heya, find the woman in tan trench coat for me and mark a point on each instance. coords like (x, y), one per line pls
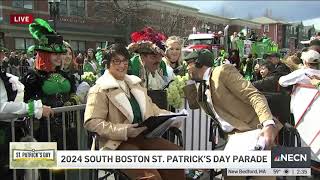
(115, 106)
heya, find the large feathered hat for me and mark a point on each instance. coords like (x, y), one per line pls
(46, 39)
(147, 41)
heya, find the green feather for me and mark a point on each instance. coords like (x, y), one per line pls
(163, 66)
(134, 66)
(99, 56)
(44, 23)
(38, 33)
(38, 29)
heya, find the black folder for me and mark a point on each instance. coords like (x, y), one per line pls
(157, 125)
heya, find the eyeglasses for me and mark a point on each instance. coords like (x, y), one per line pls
(118, 62)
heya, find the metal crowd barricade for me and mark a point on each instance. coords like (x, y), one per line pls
(195, 131)
(71, 117)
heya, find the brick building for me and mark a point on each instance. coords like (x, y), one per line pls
(77, 23)
(286, 35)
(90, 23)
(274, 29)
(297, 32)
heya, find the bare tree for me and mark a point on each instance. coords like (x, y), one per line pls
(168, 22)
(177, 23)
(120, 12)
(133, 15)
(128, 15)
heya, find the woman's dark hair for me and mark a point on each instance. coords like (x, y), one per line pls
(116, 49)
(268, 65)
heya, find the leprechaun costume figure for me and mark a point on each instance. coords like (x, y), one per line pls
(53, 86)
(47, 81)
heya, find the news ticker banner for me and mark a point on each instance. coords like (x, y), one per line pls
(43, 155)
(269, 172)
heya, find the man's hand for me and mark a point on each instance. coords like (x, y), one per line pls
(133, 130)
(47, 112)
(269, 133)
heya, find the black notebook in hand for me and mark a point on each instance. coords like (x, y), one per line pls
(158, 125)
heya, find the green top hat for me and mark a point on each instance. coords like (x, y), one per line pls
(46, 38)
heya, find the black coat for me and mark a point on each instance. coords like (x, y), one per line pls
(282, 69)
(33, 82)
(268, 84)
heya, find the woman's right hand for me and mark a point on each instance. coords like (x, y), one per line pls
(133, 130)
(47, 112)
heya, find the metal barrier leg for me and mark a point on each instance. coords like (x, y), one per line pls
(192, 129)
(64, 139)
(185, 128)
(199, 138)
(207, 139)
(49, 140)
(13, 138)
(76, 115)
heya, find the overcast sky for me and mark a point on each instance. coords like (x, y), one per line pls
(286, 10)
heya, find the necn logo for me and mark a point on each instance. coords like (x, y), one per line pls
(291, 158)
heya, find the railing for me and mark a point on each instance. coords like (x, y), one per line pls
(72, 124)
(195, 132)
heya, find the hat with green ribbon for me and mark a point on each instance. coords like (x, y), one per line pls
(46, 39)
